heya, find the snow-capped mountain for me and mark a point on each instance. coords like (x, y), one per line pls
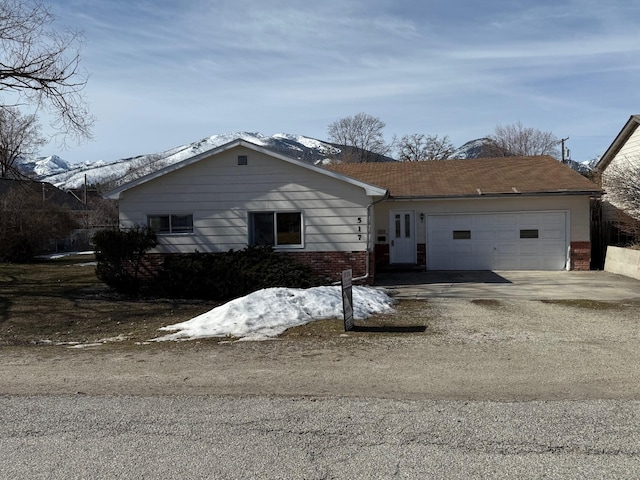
(484, 147)
(61, 174)
(44, 166)
(478, 148)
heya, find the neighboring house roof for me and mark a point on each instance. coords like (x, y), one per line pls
(471, 178)
(371, 190)
(619, 142)
(51, 194)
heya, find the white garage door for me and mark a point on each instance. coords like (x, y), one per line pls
(497, 241)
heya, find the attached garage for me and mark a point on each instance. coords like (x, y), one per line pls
(508, 213)
(498, 241)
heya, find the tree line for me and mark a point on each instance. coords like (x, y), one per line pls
(363, 137)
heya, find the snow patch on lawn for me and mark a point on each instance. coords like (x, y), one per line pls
(269, 312)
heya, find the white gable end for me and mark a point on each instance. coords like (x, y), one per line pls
(221, 192)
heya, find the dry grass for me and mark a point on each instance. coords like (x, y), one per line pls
(62, 301)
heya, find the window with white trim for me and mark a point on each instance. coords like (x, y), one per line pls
(278, 229)
(170, 224)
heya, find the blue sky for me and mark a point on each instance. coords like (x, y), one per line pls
(166, 73)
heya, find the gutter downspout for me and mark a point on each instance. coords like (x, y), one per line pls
(369, 209)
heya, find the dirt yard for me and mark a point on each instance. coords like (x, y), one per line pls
(437, 349)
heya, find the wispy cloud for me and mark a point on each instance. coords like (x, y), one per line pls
(199, 67)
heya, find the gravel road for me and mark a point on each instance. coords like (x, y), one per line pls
(260, 437)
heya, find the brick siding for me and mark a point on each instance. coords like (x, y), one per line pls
(382, 255)
(580, 256)
(422, 254)
(328, 265)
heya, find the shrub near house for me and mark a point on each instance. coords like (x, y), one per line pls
(223, 276)
(119, 254)
(212, 276)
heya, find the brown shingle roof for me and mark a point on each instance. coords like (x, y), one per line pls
(462, 178)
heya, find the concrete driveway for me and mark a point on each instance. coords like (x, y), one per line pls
(531, 285)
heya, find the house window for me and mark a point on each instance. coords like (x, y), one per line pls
(242, 160)
(462, 234)
(533, 233)
(168, 224)
(279, 229)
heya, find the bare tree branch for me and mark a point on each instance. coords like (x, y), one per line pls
(41, 64)
(418, 147)
(621, 181)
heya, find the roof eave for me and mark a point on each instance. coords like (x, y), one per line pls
(591, 193)
(618, 143)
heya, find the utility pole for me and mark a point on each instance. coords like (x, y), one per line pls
(564, 160)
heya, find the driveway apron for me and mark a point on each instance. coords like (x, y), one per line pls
(531, 285)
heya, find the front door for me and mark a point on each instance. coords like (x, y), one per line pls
(402, 247)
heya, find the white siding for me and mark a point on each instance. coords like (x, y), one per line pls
(220, 194)
(630, 151)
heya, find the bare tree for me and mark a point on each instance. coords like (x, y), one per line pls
(418, 147)
(28, 225)
(363, 133)
(517, 140)
(102, 213)
(19, 136)
(622, 184)
(40, 65)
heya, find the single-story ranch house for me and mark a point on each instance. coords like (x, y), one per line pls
(530, 213)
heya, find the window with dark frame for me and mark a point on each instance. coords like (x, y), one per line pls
(170, 224)
(243, 160)
(462, 234)
(278, 229)
(530, 233)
